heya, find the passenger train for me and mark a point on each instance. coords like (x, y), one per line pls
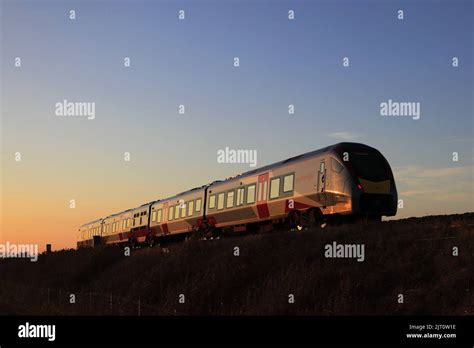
(336, 183)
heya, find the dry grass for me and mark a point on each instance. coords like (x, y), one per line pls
(412, 257)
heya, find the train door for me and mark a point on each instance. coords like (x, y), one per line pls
(322, 177)
(262, 204)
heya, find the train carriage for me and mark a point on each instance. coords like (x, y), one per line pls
(346, 179)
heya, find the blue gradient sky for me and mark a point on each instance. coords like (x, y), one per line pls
(190, 62)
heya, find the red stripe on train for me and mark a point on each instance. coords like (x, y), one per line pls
(263, 211)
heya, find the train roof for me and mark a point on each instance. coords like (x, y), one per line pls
(183, 193)
(291, 159)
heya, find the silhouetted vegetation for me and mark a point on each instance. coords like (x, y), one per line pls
(413, 257)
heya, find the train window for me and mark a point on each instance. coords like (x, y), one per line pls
(183, 210)
(176, 212)
(274, 188)
(170, 213)
(153, 216)
(220, 201)
(230, 199)
(141, 221)
(129, 222)
(158, 215)
(190, 208)
(288, 183)
(240, 196)
(212, 201)
(124, 222)
(336, 166)
(198, 205)
(251, 194)
(265, 183)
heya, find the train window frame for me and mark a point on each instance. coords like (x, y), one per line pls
(196, 210)
(213, 198)
(288, 192)
(183, 210)
(254, 186)
(153, 216)
(219, 195)
(240, 199)
(272, 180)
(227, 199)
(177, 211)
(339, 164)
(190, 208)
(170, 213)
(159, 215)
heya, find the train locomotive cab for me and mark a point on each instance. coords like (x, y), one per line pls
(371, 183)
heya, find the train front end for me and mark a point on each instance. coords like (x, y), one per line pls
(374, 193)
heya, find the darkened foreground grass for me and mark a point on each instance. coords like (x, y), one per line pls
(412, 257)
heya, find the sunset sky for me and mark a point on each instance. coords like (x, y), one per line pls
(190, 62)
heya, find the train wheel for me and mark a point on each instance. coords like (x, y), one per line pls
(316, 219)
(294, 221)
(216, 233)
(150, 241)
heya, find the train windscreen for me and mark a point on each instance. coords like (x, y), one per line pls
(370, 165)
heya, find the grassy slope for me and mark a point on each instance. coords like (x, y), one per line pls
(412, 257)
